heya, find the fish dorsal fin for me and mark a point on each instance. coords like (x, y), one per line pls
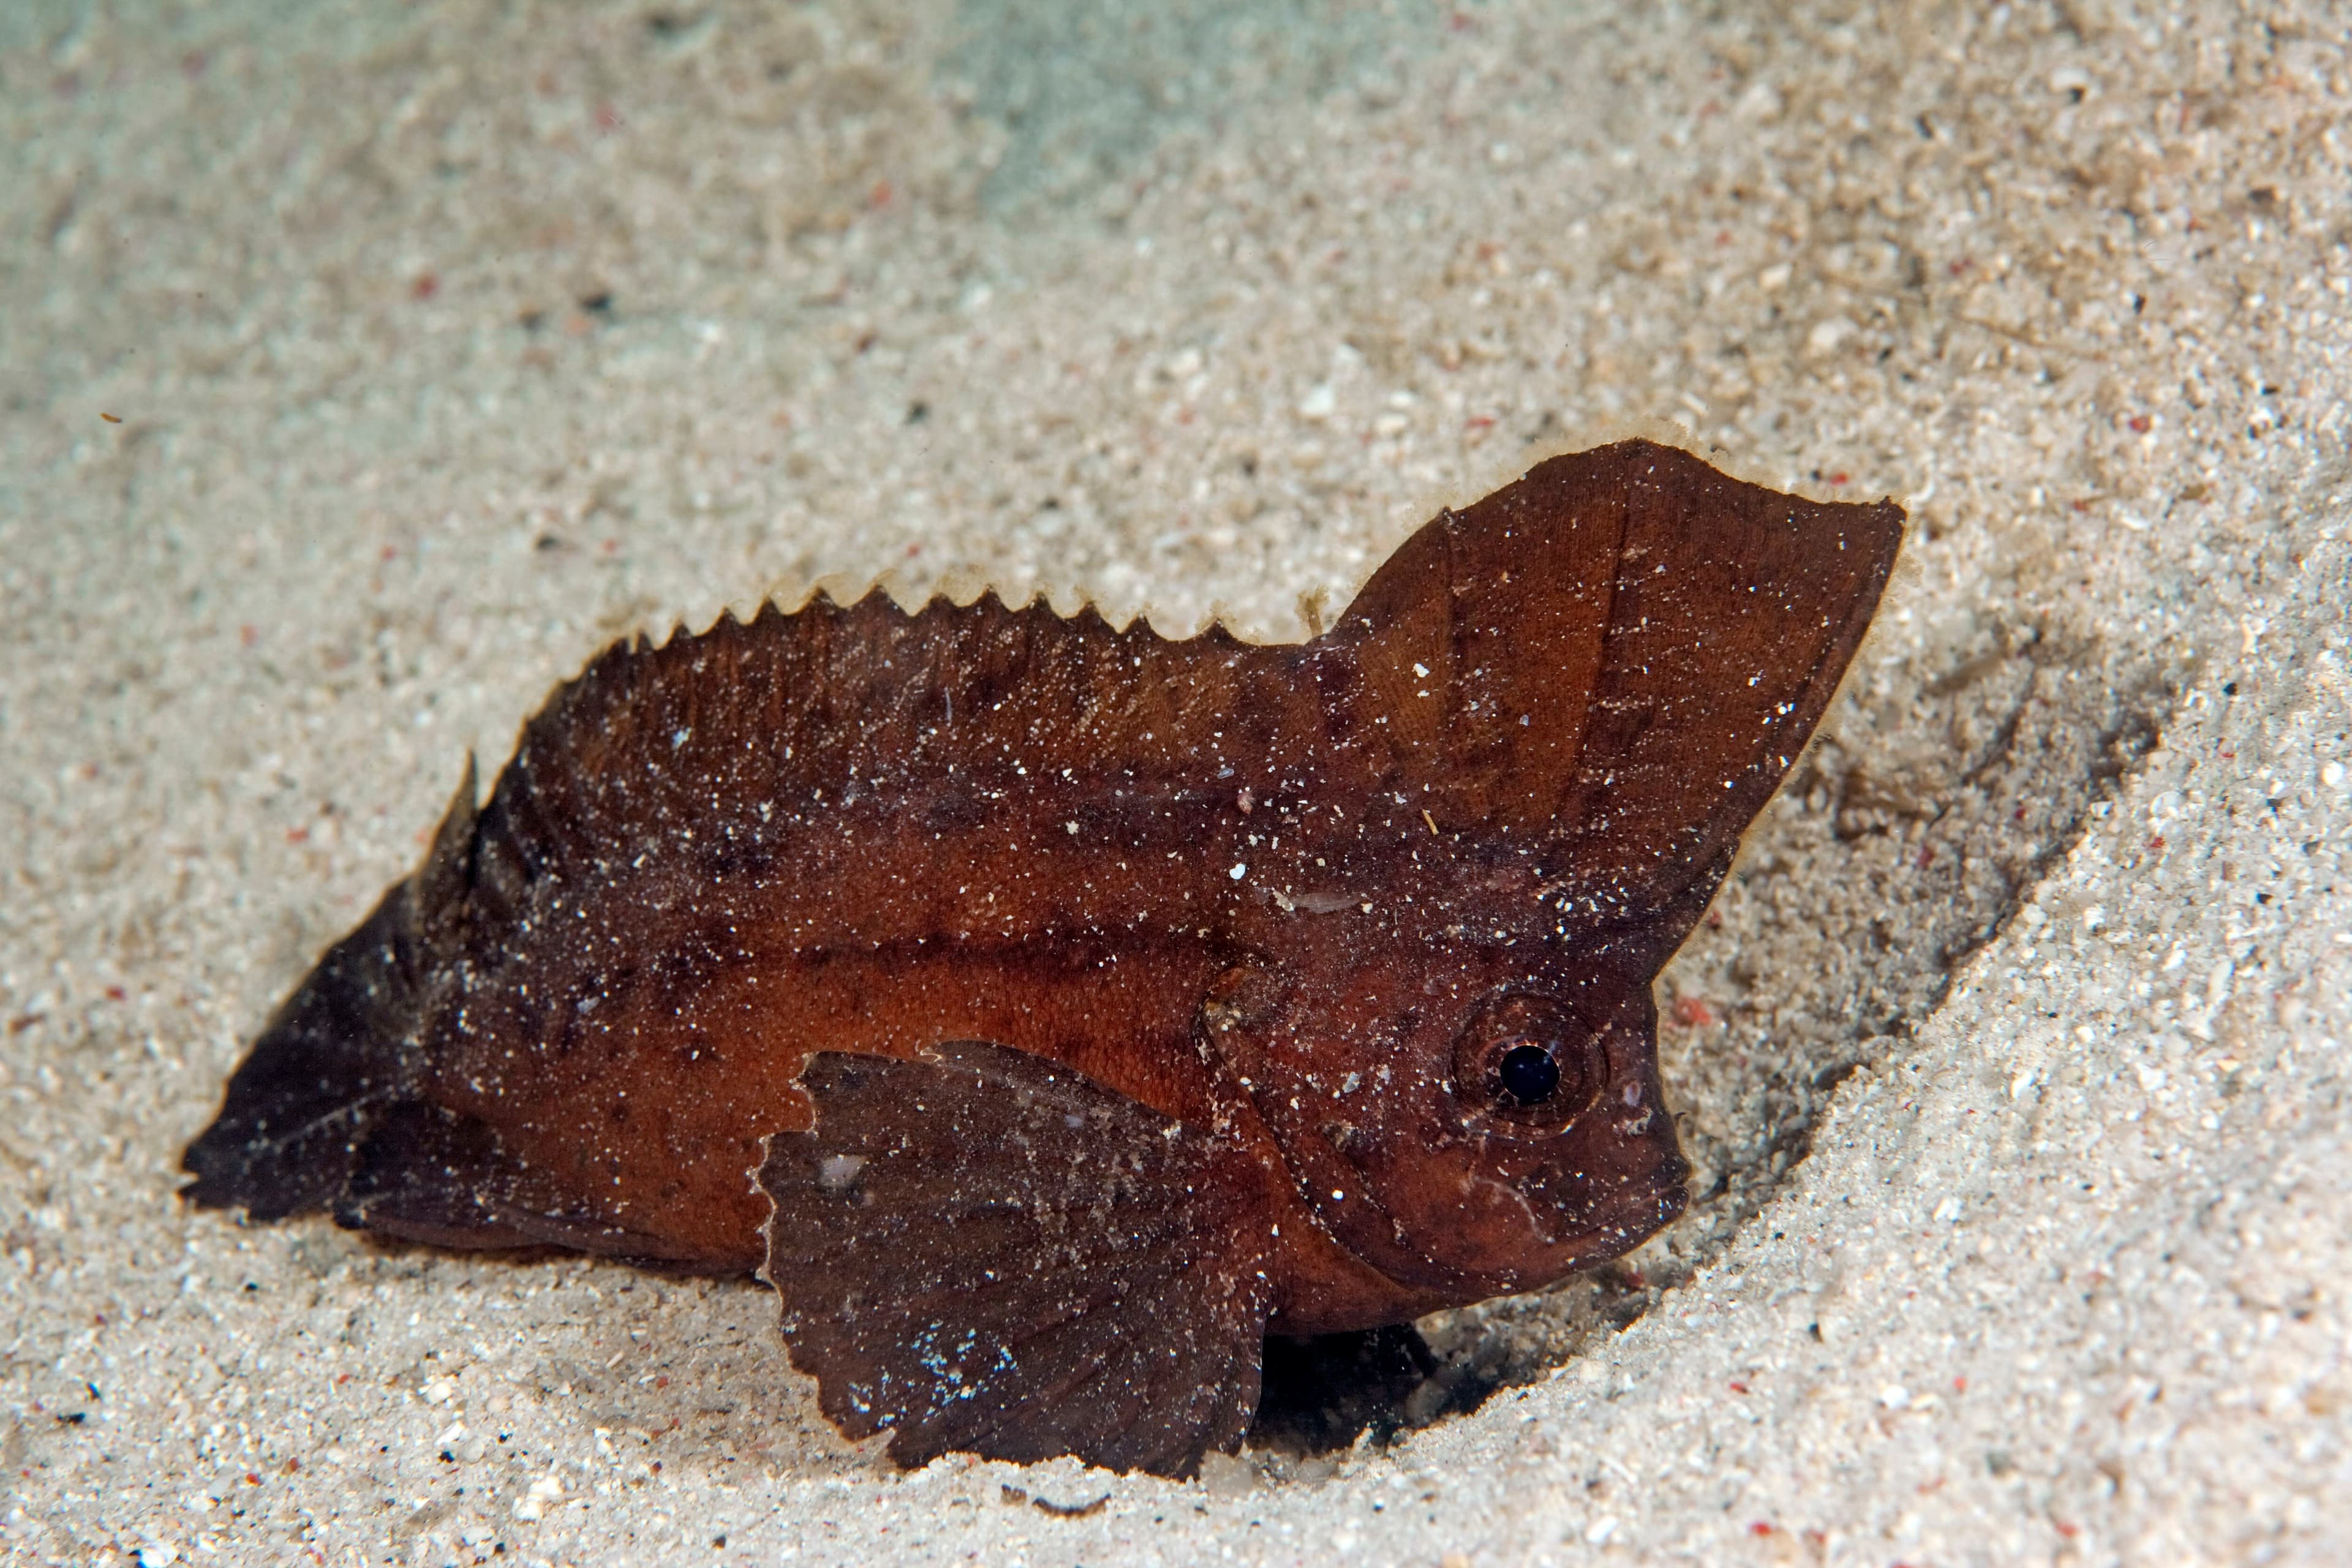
(987, 1252)
(1616, 658)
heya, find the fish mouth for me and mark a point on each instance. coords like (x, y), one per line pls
(1599, 1219)
(1516, 1233)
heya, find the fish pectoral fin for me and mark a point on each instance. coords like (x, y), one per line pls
(988, 1252)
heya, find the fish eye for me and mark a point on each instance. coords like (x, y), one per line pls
(1529, 1061)
(1528, 1074)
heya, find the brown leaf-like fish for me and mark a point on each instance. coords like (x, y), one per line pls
(1048, 1011)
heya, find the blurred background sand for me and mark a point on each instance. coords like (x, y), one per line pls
(363, 370)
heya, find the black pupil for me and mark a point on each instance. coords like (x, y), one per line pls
(1528, 1074)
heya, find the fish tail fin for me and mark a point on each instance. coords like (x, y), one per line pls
(338, 1056)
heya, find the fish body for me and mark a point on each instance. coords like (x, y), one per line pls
(964, 956)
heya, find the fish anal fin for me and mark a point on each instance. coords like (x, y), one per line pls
(429, 1174)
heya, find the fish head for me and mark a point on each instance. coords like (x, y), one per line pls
(1464, 1126)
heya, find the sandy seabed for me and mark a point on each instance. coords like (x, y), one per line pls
(363, 372)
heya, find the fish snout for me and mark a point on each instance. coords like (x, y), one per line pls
(1600, 1214)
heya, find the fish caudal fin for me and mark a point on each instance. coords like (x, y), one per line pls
(327, 1065)
(341, 1052)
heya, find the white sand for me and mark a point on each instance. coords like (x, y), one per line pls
(2065, 1275)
